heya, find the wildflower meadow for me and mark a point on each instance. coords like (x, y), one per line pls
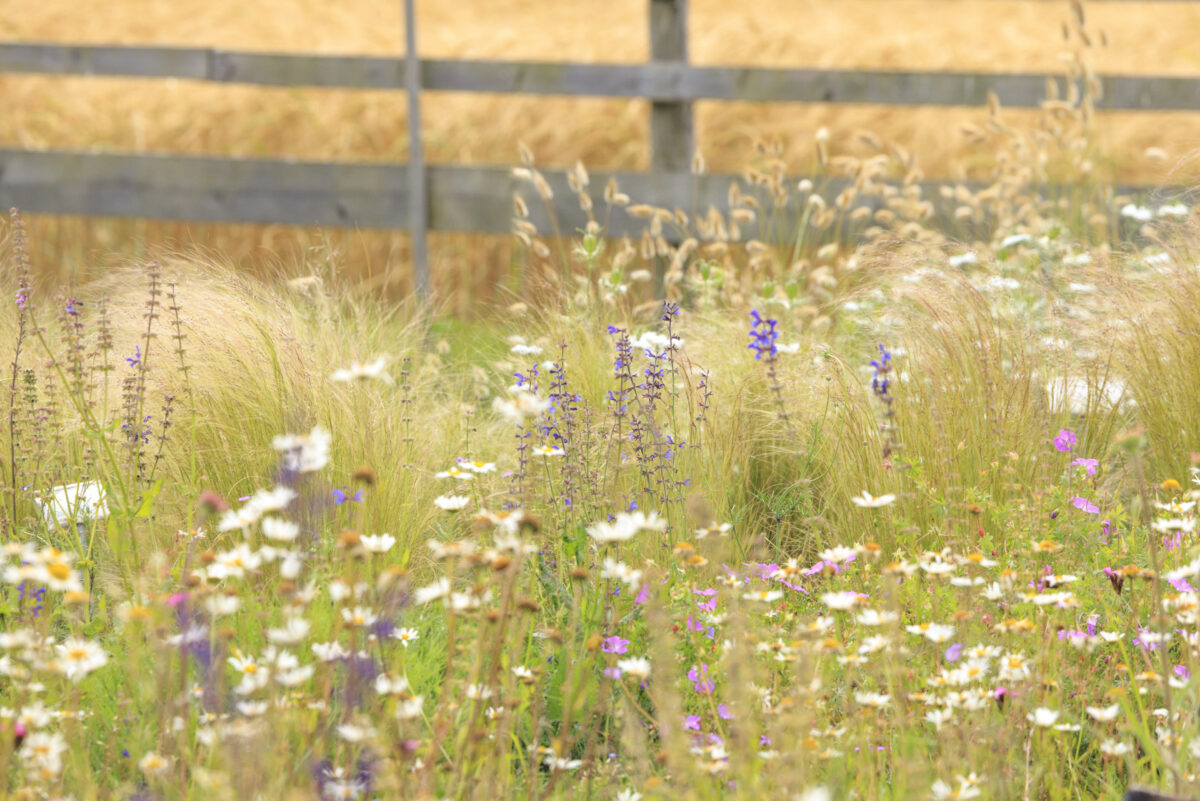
(848, 493)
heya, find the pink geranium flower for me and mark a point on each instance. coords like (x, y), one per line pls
(1065, 440)
(1084, 505)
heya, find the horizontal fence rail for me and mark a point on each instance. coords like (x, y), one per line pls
(208, 189)
(350, 195)
(656, 81)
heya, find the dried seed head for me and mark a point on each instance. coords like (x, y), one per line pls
(528, 605)
(365, 476)
(542, 187)
(579, 573)
(212, 503)
(349, 539)
(1155, 154)
(610, 190)
(389, 577)
(822, 143)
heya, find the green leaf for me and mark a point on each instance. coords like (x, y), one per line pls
(147, 504)
(102, 433)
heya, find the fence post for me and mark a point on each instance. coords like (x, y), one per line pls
(417, 204)
(671, 137)
(671, 131)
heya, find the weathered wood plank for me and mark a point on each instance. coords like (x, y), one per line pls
(672, 123)
(286, 69)
(418, 206)
(672, 131)
(203, 189)
(349, 195)
(206, 189)
(665, 82)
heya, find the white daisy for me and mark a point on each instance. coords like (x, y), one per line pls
(1044, 717)
(451, 503)
(869, 501)
(77, 658)
(381, 543)
(359, 371)
(304, 453)
(279, 530)
(1103, 714)
(405, 636)
(637, 667)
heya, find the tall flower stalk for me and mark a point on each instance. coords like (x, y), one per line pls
(764, 338)
(881, 385)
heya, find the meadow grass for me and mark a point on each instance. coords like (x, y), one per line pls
(928, 536)
(849, 492)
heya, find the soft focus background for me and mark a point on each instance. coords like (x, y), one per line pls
(915, 487)
(181, 117)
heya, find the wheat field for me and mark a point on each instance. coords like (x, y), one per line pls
(178, 117)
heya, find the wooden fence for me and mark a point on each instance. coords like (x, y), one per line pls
(459, 198)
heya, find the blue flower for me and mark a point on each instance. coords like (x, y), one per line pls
(340, 497)
(882, 365)
(763, 339)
